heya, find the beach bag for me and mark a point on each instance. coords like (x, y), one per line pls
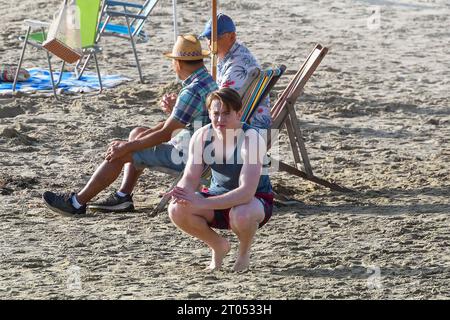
(64, 36)
(8, 72)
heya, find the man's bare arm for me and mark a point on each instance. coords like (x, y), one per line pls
(156, 137)
(194, 166)
(150, 130)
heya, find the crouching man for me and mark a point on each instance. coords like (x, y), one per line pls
(239, 197)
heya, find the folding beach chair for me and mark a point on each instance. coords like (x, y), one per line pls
(135, 16)
(89, 16)
(283, 114)
(257, 87)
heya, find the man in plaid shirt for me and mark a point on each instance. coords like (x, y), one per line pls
(148, 147)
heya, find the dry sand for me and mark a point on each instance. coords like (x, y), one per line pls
(375, 117)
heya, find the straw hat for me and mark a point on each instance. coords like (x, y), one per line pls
(187, 47)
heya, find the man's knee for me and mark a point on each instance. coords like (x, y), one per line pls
(176, 212)
(241, 216)
(126, 158)
(135, 132)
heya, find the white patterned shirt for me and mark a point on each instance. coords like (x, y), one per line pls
(232, 71)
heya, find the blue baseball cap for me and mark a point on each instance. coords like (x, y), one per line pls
(224, 25)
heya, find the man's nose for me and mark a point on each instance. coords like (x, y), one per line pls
(221, 118)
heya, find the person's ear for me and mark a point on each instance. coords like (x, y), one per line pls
(239, 114)
(232, 36)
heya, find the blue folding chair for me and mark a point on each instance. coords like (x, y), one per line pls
(135, 16)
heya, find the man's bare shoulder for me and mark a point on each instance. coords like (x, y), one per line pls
(255, 144)
(201, 134)
(252, 133)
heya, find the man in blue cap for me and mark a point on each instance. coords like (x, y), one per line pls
(235, 60)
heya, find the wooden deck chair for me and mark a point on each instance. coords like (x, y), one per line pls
(135, 16)
(255, 89)
(89, 17)
(283, 114)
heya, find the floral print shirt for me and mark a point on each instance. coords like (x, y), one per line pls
(232, 71)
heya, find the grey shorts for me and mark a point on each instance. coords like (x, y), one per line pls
(163, 155)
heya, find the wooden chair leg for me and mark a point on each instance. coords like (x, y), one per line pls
(299, 138)
(291, 136)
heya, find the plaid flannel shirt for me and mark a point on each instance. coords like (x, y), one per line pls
(190, 107)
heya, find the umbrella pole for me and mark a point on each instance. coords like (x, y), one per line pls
(175, 22)
(175, 26)
(214, 39)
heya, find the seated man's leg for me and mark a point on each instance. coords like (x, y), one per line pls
(130, 173)
(244, 221)
(72, 204)
(105, 174)
(195, 223)
(163, 155)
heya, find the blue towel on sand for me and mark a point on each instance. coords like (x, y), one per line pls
(40, 81)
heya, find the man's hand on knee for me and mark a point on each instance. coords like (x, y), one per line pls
(117, 149)
(187, 198)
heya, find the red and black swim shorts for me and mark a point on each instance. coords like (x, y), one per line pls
(221, 218)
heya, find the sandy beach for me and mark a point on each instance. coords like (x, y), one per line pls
(375, 117)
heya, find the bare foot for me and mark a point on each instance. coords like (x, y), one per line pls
(242, 263)
(218, 254)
